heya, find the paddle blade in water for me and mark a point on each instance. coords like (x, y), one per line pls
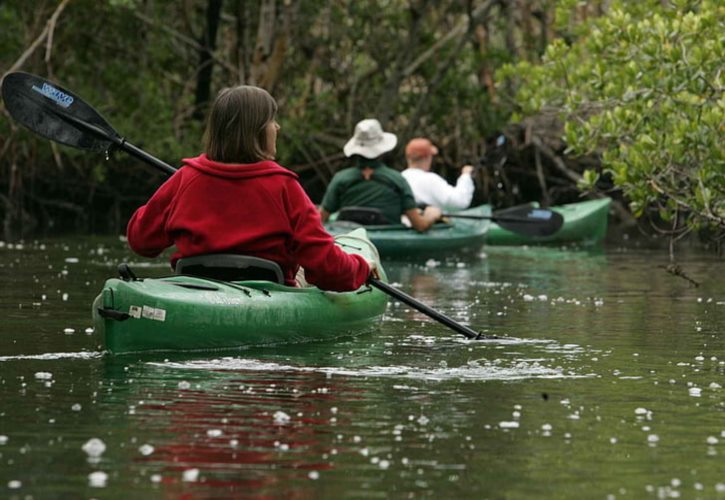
(529, 220)
(55, 113)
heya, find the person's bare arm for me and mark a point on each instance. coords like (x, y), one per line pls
(423, 221)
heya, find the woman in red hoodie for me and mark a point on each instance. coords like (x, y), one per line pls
(235, 198)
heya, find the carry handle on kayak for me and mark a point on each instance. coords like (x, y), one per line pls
(57, 114)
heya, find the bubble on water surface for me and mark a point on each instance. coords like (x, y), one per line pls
(281, 418)
(97, 479)
(508, 425)
(72, 260)
(4, 439)
(695, 392)
(156, 478)
(14, 484)
(94, 447)
(712, 440)
(190, 475)
(43, 375)
(146, 449)
(314, 475)
(214, 432)
(76, 407)
(184, 385)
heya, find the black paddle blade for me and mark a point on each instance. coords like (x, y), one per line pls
(529, 220)
(55, 113)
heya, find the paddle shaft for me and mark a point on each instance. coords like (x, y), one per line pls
(121, 143)
(431, 313)
(494, 218)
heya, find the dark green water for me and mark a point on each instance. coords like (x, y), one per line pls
(608, 386)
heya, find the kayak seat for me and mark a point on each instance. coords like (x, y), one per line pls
(366, 216)
(230, 267)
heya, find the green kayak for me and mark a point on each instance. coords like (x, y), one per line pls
(186, 313)
(584, 222)
(397, 240)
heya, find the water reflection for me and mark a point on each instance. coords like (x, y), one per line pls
(230, 430)
(252, 423)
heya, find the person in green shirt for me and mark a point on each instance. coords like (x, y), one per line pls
(372, 184)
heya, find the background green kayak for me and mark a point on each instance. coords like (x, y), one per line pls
(397, 240)
(184, 313)
(584, 222)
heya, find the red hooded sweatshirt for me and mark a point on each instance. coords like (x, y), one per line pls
(256, 209)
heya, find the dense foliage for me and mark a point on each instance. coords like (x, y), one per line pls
(643, 87)
(420, 66)
(638, 85)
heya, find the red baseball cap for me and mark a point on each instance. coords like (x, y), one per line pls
(420, 147)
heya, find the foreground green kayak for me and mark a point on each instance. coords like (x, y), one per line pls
(397, 240)
(184, 313)
(584, 222)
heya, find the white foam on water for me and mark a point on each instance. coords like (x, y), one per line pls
(55, 355)
(97, 479)
(473, 370)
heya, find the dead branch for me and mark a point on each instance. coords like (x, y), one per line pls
(461, 29)
(46, 33)
(676, 270)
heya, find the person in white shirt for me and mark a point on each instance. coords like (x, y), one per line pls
(430, 188)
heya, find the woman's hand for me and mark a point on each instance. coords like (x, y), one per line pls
(373, 265)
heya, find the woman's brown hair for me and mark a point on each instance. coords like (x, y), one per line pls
(236, 128)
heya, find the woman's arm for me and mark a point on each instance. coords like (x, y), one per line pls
(326, 265)
(146, 230)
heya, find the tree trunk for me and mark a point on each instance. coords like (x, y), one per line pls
(206, 62)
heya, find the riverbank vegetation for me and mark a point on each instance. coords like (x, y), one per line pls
(554, 97)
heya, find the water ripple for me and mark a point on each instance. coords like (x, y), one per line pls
(473, 370)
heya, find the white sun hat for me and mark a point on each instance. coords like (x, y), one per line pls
(369, 140)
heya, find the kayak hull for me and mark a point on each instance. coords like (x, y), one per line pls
(584, 223)
(399, 241)
(185, 313)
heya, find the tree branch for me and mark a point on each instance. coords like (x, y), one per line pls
(46, 33)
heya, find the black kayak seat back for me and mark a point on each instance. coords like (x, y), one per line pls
(230, 267)
(367, 216)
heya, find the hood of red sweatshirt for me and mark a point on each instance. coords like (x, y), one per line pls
(236, 170)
